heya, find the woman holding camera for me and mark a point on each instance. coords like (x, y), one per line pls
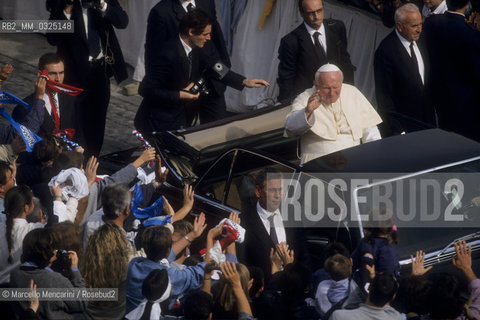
(37, 256)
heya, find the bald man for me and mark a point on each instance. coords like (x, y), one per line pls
(331, 116)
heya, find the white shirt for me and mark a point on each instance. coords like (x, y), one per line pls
(85, 22)
(440, 9)
(279, 228)
(322, 38)
(94, 222)
(406, 44)
(66, 211)
(185, 46)
(48, 105)
(19, 230)
(185, 3)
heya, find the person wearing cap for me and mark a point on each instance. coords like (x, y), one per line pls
(313, 43)
(331, 116)
(401, 72)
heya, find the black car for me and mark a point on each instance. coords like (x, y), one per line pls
(220, 160)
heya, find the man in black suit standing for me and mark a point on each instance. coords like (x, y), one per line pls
(59, 108)
(401, 76)
(168, 80)
(454, 51)
(263, 222)
(162, 26)
(312, 44)
(92, 55)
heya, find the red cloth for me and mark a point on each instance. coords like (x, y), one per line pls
(61, 87)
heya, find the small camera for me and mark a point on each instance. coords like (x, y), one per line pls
(87, 4)
(63, 255)
(200, 86)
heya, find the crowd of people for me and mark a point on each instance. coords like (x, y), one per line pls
(65, 227)
(247, 270)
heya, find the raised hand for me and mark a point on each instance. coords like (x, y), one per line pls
(199, 225)
(159, 176)
(234, 217)
(286, 255)
(91, 170)
(463, 260)
(147, 155)
(418, 268)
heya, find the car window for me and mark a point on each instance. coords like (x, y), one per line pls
(212, 184)
(241, 192)
(230, 180)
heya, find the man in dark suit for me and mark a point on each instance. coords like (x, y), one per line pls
(167, 83)
(162, 26)
(312, 44)
(454, 51)
(263, 222)
(92, 55)
(401, 76)
(59, 108)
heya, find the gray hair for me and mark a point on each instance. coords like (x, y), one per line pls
(115, 198)
(402, 11)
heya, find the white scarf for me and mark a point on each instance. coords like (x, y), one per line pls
(156, 312)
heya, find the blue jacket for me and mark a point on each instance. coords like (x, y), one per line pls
(182, 281)
(386, 256)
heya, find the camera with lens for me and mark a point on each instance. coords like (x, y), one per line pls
(200, 86)
(63, 255)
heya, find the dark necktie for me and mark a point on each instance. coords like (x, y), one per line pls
(93, 37)
(273, 232)
(189, 64)
(190, 7)
(318, 46)
(414, 57)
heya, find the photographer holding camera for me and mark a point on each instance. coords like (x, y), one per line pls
(168, 83)
(91, 55)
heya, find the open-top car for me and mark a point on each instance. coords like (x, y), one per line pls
(221, 158)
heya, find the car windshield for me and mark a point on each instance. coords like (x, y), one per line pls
(446, 201)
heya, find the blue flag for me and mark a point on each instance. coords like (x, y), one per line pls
(8, 98)
(27, 135)
(157, 221)
(143, 213)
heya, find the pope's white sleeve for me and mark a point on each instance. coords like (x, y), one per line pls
(371, 134)
(297, 123)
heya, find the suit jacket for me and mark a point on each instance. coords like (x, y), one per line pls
(67, 114)
(299, 60)
(73, 47)
(163, 22)
(161, 108)
(255, 249)
(454, 50)
(399, 87)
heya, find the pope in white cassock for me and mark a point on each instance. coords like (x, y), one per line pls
(331, 116)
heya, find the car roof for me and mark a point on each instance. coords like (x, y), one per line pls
(412, 152)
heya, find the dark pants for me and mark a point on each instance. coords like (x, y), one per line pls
(93, 109)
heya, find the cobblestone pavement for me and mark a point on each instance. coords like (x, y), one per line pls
(23, 50)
